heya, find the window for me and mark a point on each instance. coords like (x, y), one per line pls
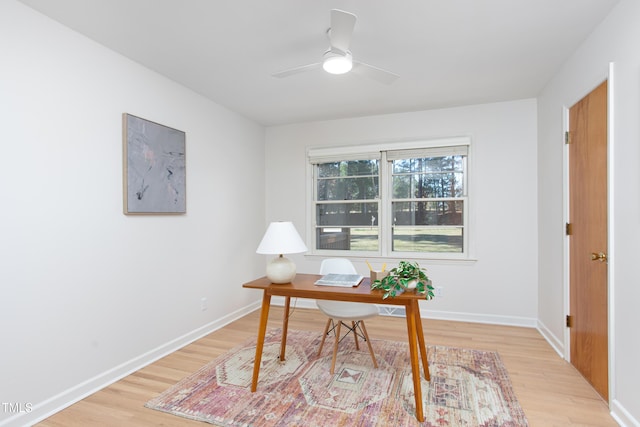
(347, 205)
(391, 203)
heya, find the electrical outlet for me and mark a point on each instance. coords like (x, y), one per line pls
(203, 304)
(439, 291)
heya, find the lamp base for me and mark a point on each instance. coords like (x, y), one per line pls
(281, 270)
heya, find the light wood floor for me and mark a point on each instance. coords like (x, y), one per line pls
(551, 391)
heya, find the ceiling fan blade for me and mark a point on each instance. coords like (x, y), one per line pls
(342, 24)
(297, 70)
(375, 73)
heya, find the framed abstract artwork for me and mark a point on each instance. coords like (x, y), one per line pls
(154, 167)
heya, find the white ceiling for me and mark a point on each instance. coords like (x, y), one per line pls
(447, 52)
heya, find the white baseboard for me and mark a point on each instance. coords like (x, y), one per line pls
(439, 315)
(41, 410)
(295, 302)
(622, 416)
(525, 322)
(554, 342)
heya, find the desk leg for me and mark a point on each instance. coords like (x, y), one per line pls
(423, 350)
(415, 363)
(262, 330)
(285, 326)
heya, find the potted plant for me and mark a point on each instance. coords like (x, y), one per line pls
(407, 275)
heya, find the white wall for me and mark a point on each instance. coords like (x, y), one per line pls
(87, 293)
(615, 40)
(501, 285)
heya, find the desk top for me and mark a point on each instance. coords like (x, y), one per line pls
(303, 286)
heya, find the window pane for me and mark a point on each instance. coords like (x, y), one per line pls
(343, 214)
(427, 239)
(333, 238)
(402, 185)
(345, 238)
(447, 212)
(402, 166)
(429, 164)
(432, 177)
(444, 184)
(364, 239)
(348, 168)
(432, 185)
(348, 188)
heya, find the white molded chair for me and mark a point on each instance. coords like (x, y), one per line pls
(340, 312)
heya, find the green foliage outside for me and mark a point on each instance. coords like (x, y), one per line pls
(444, 239)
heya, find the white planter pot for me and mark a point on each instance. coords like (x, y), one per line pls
(412, 284)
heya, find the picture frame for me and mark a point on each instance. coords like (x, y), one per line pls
(154, 167)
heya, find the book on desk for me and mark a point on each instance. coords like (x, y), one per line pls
(342, 280)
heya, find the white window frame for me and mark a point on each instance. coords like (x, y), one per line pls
(379, 151)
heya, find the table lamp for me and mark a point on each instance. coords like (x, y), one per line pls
(281, 238)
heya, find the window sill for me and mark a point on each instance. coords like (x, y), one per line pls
(390, 260)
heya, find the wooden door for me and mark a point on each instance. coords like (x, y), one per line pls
(588, 241)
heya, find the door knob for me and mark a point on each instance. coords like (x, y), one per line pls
(602, 257)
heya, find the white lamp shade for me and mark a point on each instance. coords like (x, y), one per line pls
(281, 238)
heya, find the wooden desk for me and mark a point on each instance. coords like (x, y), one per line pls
(303, 287)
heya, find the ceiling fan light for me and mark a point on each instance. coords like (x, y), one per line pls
(337, 64)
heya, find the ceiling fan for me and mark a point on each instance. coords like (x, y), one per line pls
(338, 59)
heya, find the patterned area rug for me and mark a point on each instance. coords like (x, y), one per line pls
(467, 388)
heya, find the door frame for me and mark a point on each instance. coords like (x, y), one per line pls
(609, 76)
